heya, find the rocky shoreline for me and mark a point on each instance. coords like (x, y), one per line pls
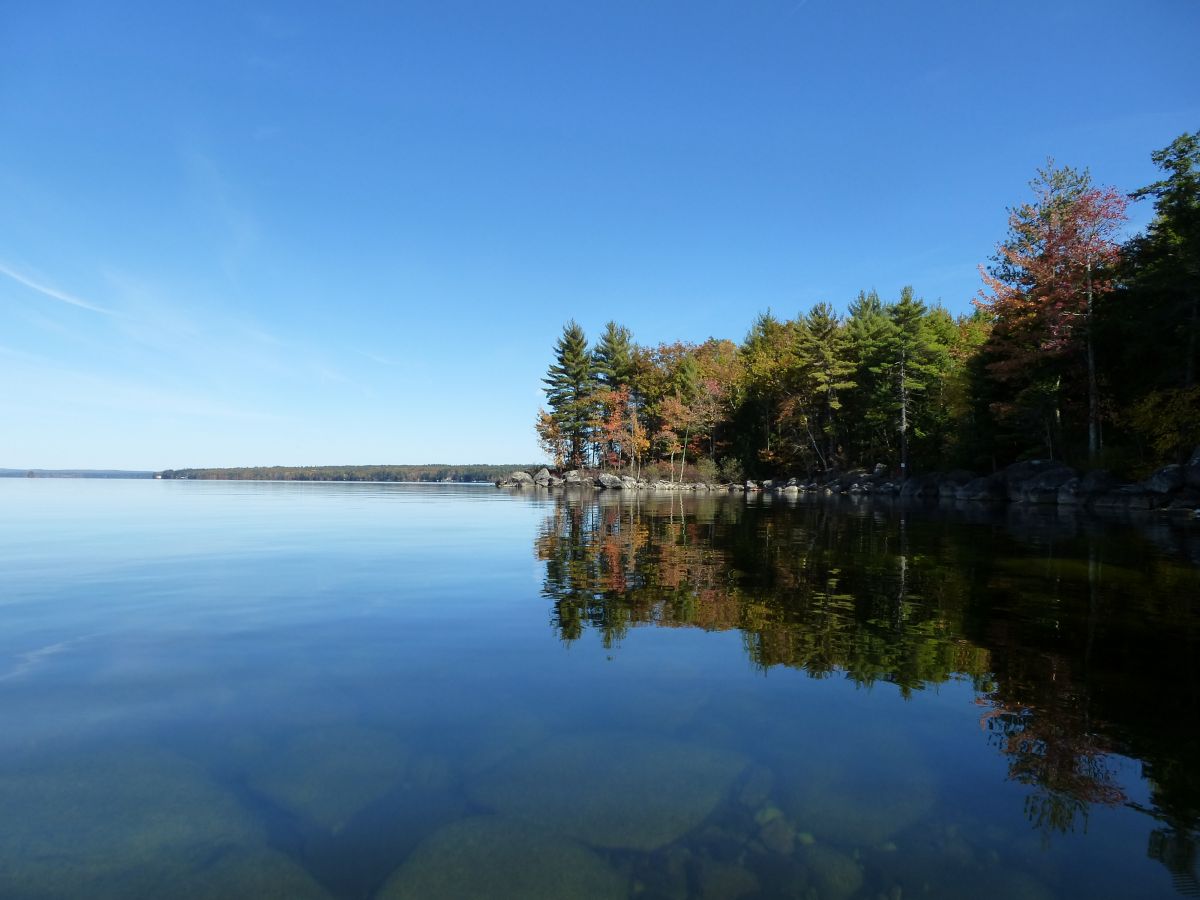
(1174, 489)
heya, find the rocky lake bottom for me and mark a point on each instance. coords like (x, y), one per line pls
(441, 691)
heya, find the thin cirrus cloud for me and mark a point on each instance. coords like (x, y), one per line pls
(52, 293)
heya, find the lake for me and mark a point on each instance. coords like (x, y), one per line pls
(223, 689)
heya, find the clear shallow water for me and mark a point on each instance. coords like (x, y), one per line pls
(341, 690)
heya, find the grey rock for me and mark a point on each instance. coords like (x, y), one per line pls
(1042, 487)
(920, 487)
(982, 489)
(1186, 499)
(573, 477)
(1165, 480)
(610, 481)
(542, 476)
(1097, 481)
(952, 481)
(629, 482)
(751, 486)
(1130, 496)
(1029, 469)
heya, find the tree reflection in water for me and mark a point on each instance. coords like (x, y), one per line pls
(1080, 637)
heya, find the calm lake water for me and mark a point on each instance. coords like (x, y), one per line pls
(217, 690)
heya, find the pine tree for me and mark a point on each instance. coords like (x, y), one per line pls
(911, 363)
(867, 408)
(570, 387)
(614, 357)
(824, 363)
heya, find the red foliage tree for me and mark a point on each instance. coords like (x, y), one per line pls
(1056, 265)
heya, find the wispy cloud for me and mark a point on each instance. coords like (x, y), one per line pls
(53, 293)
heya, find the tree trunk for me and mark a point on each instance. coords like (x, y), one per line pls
(903, 419)
(1093, 389)
(816, 447)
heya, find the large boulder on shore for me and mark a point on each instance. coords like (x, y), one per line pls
(516, 479)
(949, 483)
(921, 487)
(609, 481)
(1083, 490)
(982, 489)
(1036, 480)
(1129, 496)
(542, 477)
(1165, 480)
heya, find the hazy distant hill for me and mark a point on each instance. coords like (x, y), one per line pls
(73, 473)
(431, 472)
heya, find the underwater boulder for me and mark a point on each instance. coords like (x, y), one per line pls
(130, 824)
(859, 802)
(493, 858)
(261, 873)
(834, 874)
(619, 792)
(325, 777)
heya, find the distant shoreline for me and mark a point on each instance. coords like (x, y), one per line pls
(473, 473)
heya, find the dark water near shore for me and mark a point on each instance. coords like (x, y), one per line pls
(216, 689)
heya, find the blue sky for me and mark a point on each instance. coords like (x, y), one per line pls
(311, 233)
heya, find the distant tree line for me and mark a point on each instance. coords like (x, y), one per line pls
(466, 473)
(1079, 347)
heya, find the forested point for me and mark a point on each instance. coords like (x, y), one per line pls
(433, 472)
(1081, 347)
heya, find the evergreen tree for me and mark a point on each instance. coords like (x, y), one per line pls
(1168, 257)
(614, 357)
(1157, 314)
(867, 412)
(570, 387)
(823, 361)
(766, 354)
(912, 357)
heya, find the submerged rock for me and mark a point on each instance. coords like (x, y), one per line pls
(834, 874)
(635, 793)
(492, 858)
(325, 777)
(859, 803)
(261, 873)
(725, 881)
(140, 824)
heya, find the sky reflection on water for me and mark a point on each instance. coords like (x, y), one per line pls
(354, 690)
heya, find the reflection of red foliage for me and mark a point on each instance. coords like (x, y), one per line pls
(1055, 752)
